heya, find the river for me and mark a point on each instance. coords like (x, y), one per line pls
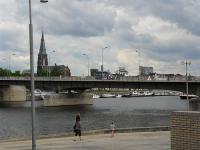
(125, 112)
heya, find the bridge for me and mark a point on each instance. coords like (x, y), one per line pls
(82, 83)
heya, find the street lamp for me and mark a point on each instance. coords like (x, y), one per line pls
(186, 63)
(32, 74)
(137, 51)
(88, 63)
(32, 78)
(9, 63)
(102, 62)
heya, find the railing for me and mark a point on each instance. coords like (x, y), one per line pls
(86, 78)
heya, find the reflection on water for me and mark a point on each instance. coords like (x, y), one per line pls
(125, 112)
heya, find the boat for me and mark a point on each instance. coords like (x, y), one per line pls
(95, 96)
(39, 95)
(141, 94)
(107, 96)
(135, 93)
(190, 96)
(138, 94)
(148, 93)
(127, 95)
(118, 96)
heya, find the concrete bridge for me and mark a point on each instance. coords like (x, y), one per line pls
(82, 83)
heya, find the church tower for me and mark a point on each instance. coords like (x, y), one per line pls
(42, 64)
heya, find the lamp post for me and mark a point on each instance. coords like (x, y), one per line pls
(9, 63)
(32, 78)
(102, 62)
(137, 51)
(186, 78)
(32, 75)
(88, 64)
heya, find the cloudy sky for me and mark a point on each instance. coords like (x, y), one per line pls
(158, 33)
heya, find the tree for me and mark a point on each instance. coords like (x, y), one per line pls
(5, 72)
(43, 72)
(16, 73)
(55, 71)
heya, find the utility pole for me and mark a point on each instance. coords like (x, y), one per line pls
(102, 62)
(186, 78)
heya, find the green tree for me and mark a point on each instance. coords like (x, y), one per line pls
(55, 71)
(5, 72)
(16, 73)
(43, 73)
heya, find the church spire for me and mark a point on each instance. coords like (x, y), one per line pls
(42, 45)
(42, 58)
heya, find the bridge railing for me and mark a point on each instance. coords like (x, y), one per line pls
(89, 78)
(72, 78)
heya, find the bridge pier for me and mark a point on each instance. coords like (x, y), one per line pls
(13, 93)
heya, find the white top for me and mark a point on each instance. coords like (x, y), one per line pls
(112, 126)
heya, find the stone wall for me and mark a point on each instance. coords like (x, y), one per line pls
(185, 130)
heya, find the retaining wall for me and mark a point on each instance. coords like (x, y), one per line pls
(185, 130)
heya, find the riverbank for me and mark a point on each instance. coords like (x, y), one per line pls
(137, 140)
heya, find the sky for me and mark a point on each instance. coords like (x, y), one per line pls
(159, 33)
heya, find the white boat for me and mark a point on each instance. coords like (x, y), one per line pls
(135, 93)
(138, 94)
(118, 96)
(148, 93)
(190, 96)
(127, 95)
(95, 96)
(107, 96)
(39, 95)
(141, 93)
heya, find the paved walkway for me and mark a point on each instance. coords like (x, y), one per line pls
(159, 140)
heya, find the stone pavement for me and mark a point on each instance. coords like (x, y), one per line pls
(159, 140)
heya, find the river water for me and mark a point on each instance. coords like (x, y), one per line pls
(125, 112)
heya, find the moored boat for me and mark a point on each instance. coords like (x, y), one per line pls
(118, 96)
(39, 95)
(148, 93)
(127, 95)
(107, 96)
(95, 96)
(190, 96)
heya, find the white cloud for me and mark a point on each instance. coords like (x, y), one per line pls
(164, 32)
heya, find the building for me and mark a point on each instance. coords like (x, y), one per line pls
(42, 63)
(101, 75)
(43, 69)
(145, 70)
(93, 72)
(59, 70)
(122, 71)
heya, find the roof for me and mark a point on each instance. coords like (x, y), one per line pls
(42, 45)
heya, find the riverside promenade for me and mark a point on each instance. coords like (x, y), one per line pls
(156, 140)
